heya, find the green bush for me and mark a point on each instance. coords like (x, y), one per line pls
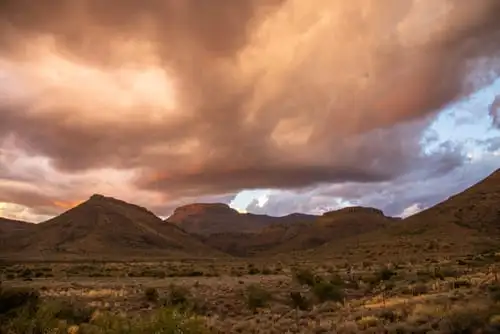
(326, 291)
(177, 296)
(45, 320)
(306, 277)
(256, 297)
(72, 312)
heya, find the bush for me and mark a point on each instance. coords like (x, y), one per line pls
(163, 321)
(385, 274)
(73, 313)
(257, 297)
(306, 277)
(335, 279)
(298, 301)
(465, 320)
(177, 297)
(13, 299)
(151, 295)
(460, 283)
(253, 271)
(325, 291)
(494, 291)
(420, 289)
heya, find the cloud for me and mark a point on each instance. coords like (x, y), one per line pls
(162, 101)
(495, 112)
(399, 197)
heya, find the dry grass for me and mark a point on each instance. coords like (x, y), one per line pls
(445, 296)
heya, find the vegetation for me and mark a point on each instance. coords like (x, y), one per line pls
(257, 297)
(23, 312)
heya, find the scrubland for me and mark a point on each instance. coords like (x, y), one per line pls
(448, 295)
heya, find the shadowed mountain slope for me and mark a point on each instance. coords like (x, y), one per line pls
(104, 227)
(206, 219)
(283, 238)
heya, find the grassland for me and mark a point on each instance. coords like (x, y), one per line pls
(439, 295)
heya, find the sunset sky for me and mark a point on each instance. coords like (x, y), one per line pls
(272, 106)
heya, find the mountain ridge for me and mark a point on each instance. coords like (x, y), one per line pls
(105, 226)
(108, 227)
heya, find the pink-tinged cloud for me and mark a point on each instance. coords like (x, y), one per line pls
(160, 102)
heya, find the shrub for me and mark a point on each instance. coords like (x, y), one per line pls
(267, 271)
(306, 277)
(335, 279)
(73, 313)
(385, 274)
(151, 295)
(163, 321)
(460, 283)
(325, 291)
(420, 289)
(253, 271)
(195, 273)
(257, 297)
(13, 299)
(177, 296)
(494, 292)
(469, 319)
(298, 301)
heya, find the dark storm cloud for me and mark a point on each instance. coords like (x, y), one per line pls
(274, 93)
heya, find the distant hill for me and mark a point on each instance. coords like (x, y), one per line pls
(207, 219)
(302, 235)
(104, 227)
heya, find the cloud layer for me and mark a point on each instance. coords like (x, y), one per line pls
(165, 101)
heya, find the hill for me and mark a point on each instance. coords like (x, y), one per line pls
(284, 238)
(207, 219)
(466, 223)
(104, 228)
(476, 208)
(11, 226)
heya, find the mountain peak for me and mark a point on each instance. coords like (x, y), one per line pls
(202, 208)
(355, 209)
(99, 197)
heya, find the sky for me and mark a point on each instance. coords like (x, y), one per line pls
(271, 106)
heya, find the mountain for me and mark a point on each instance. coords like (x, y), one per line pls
(476, 208)
(107, 228)
(104, 227)
(10, 226)
(215, 218)
(302, 235)
(464, 224)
